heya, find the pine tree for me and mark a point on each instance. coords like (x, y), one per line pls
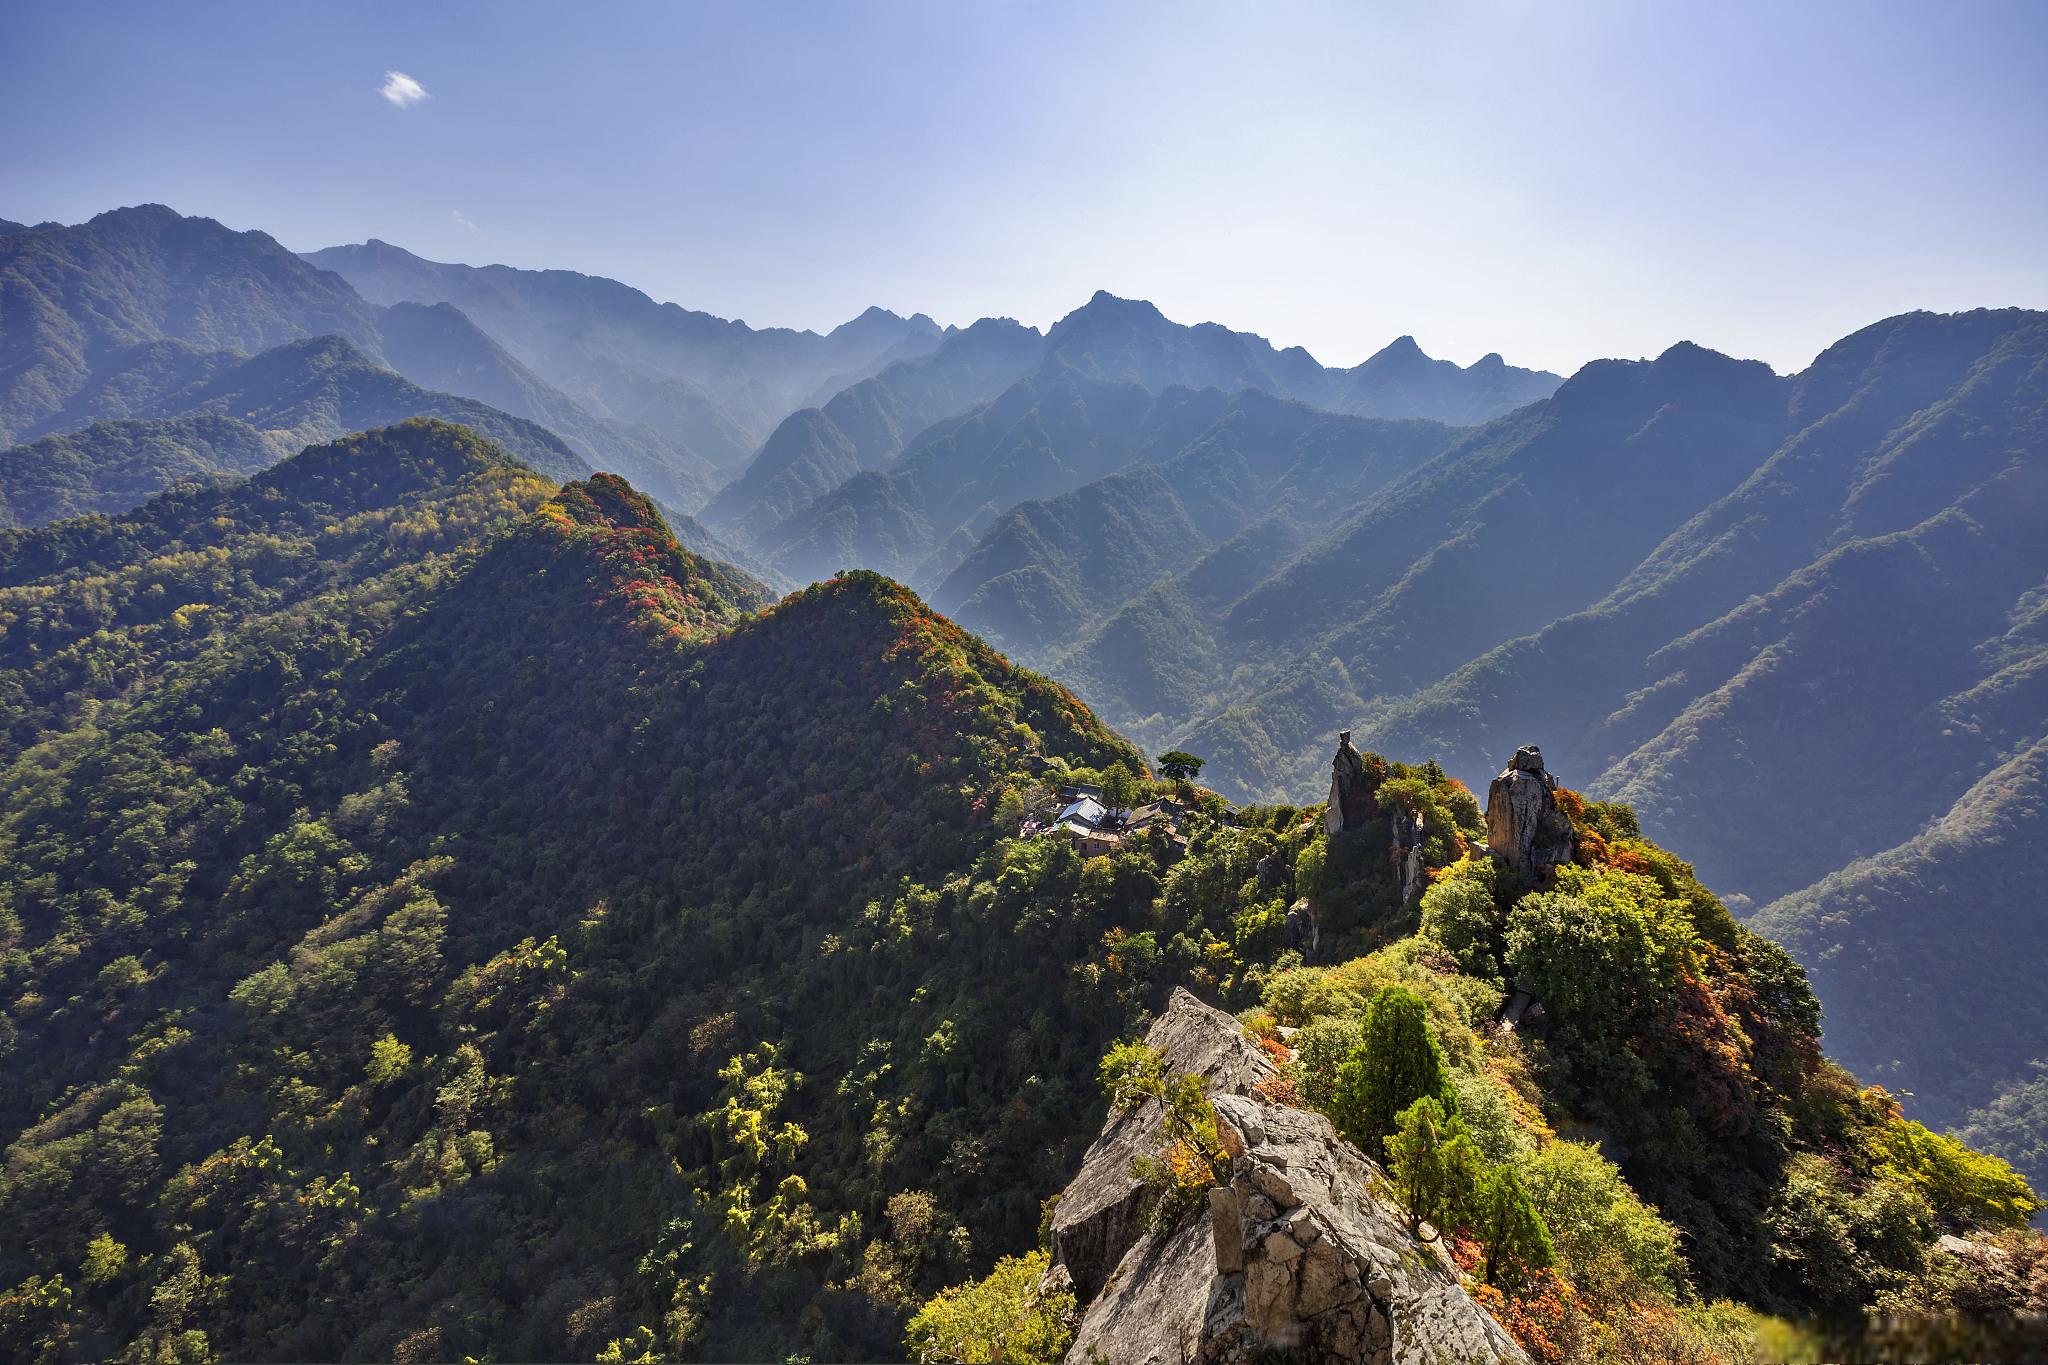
(1397, 1063)
(1516, 1240)
(1438, 1170)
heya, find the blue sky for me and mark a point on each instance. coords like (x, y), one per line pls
(1553, 181)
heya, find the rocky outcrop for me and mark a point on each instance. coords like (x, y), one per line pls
(1352, 798)
(1301, 932)
(1404, 851)
(1524, 827)
(1296, 1258)
(1097, 1218)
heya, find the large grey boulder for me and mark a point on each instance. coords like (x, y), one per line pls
(1297, 1258)
(1524, 827)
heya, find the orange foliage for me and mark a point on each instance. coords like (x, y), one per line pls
(1276, 1090)
(1547, 1318)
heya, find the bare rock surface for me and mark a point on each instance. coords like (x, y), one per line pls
(1298, 1257)
(1096, 1220)
(1352, 799)
(1524, 827)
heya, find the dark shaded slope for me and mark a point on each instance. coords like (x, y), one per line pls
(96, 610)
(1049, 570)
(1930, 955)
(112, 466)
(1489, 536)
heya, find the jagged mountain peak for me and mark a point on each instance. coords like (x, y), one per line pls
(1401, 350)
(1104, 307)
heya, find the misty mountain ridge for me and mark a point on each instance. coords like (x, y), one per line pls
(812, 514)
(714, 385)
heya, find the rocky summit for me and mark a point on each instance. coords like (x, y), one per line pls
(1298, 1257)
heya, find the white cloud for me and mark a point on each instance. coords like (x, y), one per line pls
(462, 218)
(401, 89)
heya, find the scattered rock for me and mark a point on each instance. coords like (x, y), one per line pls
(1301, 933)
(1226, 1223)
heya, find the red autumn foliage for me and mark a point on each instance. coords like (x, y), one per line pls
(1546, 1318)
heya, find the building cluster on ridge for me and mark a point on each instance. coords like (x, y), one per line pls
(1086, 820)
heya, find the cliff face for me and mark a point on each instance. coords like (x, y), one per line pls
(1298, 1257)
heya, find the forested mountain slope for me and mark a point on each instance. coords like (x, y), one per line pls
(1261, 478)
(1864, 609)
(549, 730)
(1042, 436)
(1409, 582)
(1698, 579)
(78, 297)
(444, 917)
(301, 391)
(113, 466)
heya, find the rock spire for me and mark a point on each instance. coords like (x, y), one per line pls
(1524, 827)
(1352, 802)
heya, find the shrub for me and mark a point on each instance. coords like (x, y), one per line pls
(1509, 1227)
(1438, 1172)
(1459, 916)
(1320, 1048)
(1000, 1318)
(1612, 1246)
(1960, 1185)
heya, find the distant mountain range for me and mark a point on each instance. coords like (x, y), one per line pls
(815, 499)
(713, 386)
(1796, 621)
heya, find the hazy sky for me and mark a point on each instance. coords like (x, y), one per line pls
(1554, 181)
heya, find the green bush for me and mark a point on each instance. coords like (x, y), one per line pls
(1612, 1246)
(999, 1318)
